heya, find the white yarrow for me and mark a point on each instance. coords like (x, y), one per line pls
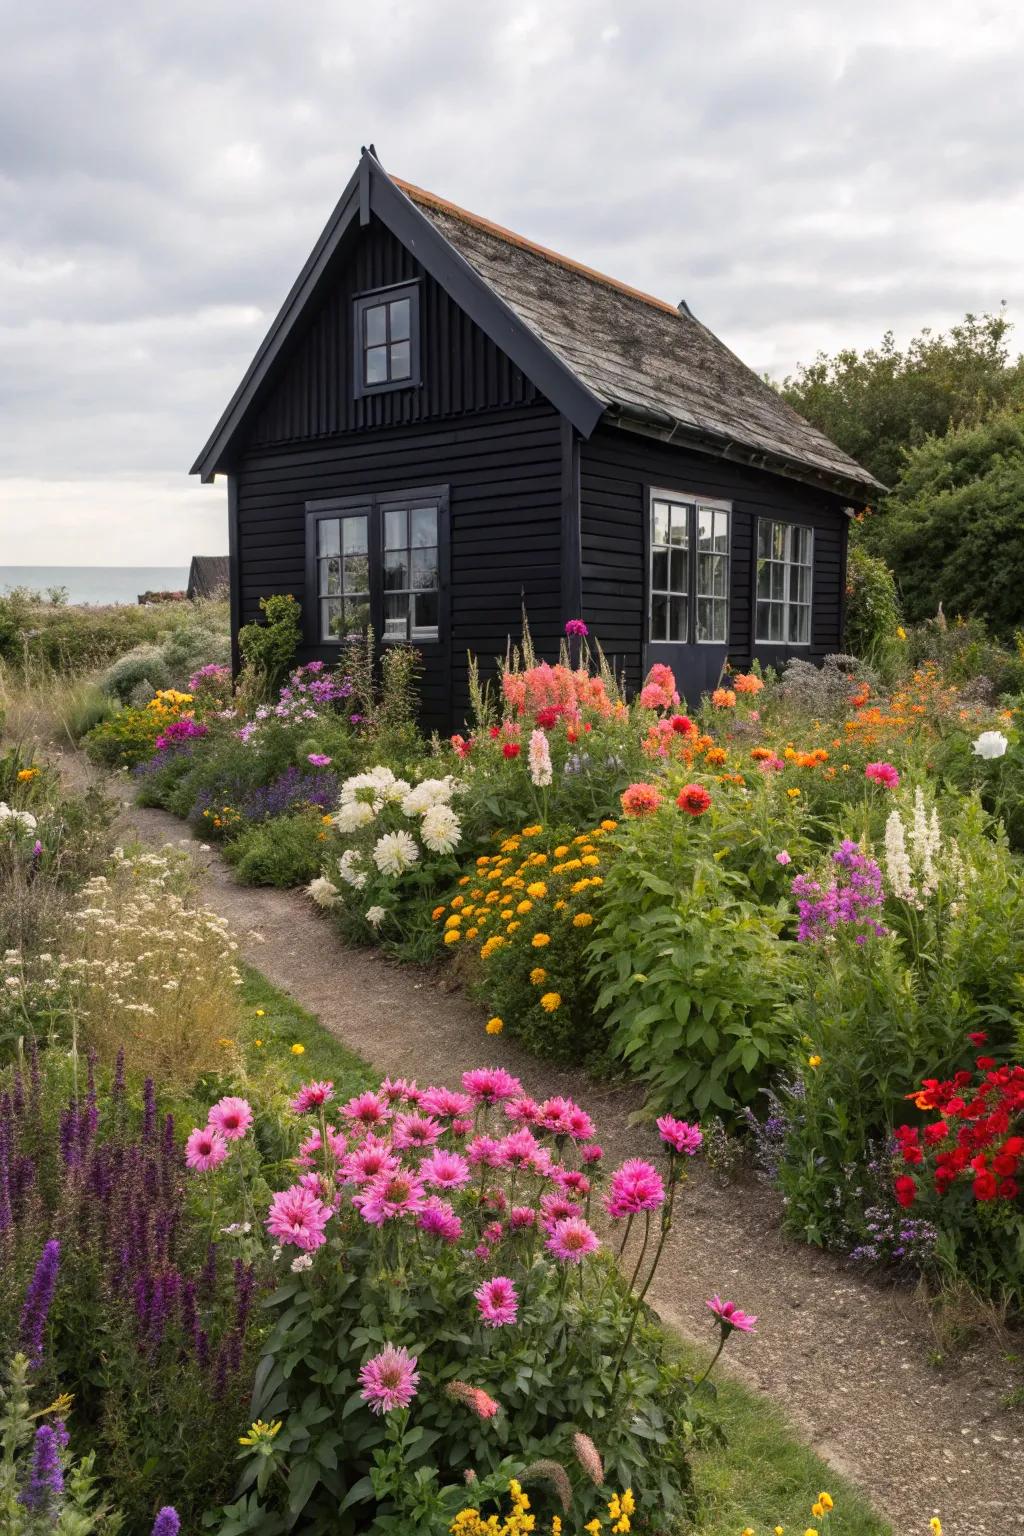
(395, 852)
(441, 829)
(990, 744)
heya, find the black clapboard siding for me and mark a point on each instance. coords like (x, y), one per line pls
(503, 469)
(461, 369)
(617, 467)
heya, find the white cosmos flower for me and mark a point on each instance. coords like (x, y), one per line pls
(376, 915)
(323, 892)
(349, 870)
(352, 815)
(441, 829)
(990, 744)
(395, 852)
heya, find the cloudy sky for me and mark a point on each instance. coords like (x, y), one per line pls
(805, 175)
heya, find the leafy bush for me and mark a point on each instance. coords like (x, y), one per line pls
(286, 851)
(74, 640)
(873, 619)
(268, 649)
(131, 735)
(145, 665)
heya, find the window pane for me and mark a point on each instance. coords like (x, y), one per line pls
(424, 527)
(799, 625)
(802, 544)
(377, 365)
(424, 568)
(761, 624)
(680, 622)
(396, 571)
(357, 615)
(330, 576)
(399, 320)
(395, 529)
(764, 539)
(778, 582)
(679, 581)
(659, 570)
(800, 584)
(722, 532)
(354, 535)
(679, 528)
(659, 617)
(328, 536)
(764, 581)
(375, 322)
(705, 574)
(356, 573)
(659, 523)
(330, 620)
(401, 365)
(425, 615)
(720, 585)
(779, 541)
(396, 616)
(705, 527)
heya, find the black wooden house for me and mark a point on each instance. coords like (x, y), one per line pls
(447, 424)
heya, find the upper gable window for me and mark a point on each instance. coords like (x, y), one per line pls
(386, 333)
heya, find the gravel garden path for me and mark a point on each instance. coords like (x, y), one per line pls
(847, 1358)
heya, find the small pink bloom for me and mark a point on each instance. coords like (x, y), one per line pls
(390, 1195)
(636, 1186)
(497, 1301)
(572, 1240)
(680, 1135)
(783, 858)
(555, 1208)
(882, 773)
(521, 1217)
(446, 1103)
(318, 759)
(486, 1150)
(311, 1096)
(490, 1084)
(232, 1117)
(475, 1398)
(312, 1148)
(460, 1126)
(444, 1170)
(524, 1111)
(556, 1114)
(367, 1161)
(519, 1150)
(389, 1379)
(414, 1131)
(367, 1110)
(572, 1181)
(575, 627)
(579, 1124)
(393, 1089)
(205, 1149)
(592, 1153)
(297, 1215)
(438, 1219)
(730, 1316)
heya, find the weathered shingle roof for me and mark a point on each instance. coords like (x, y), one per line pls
(644, 359)
(209, 576)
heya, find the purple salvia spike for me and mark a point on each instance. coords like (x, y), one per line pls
(38, 1300)
(44, 1492)
(117, 1090)
(202, 1342)
(208, 1276)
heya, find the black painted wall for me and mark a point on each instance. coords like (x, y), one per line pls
(616, 469)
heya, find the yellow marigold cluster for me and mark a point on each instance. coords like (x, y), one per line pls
(518, 1522)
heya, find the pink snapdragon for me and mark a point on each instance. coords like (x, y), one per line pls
(389, 1380)
(298, 1216)
(680, 1135)
(311, 1096)
(205, 1149)
(231, 1116)
(572, 1240)
(497, 1302)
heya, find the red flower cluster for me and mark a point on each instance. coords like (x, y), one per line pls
(977, 1135)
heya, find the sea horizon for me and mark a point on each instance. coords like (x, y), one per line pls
(95, 584)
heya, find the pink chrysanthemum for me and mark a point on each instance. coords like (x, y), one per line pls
(555, 1208)
(438, 1219)
(572, 1181)
(680, 1135)
(524, 1111)
(572, 1240)
(883, 773)
(579, 1124)
(367, 1161)
(461, 1126)
(230, 1116)
(446, 1103)
(487, 1085)
(730, 1317)
(497, 1302)
(311, 1096)
(484, 1149)
(556, 1115)
(394, 1089)
(390, 1195)
(205, 1149)
(311, 1150)
(414, 1131)
(366, 1109)
(389, 1379)
(298, 1216)
(444, 1170)
(521, 1217)
(636, 1186)
(519, 1150)
(475, 1398)
(592, 1153)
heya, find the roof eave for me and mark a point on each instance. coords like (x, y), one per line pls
(650, 422)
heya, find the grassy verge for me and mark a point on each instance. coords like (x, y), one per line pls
(275, 1020)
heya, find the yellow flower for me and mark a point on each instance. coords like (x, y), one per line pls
(471, 933)
(452, 936)
(901, 634)
(593, 1528)
(537, 858)
(935, 1525)
(538, 975)
(540, 939)
(494, 1026)
(483, 860)
(590, 860)
(298, 1049)
(463, 879)
(748, 1530)
(61, 1404)
(537, 889)
(817, 1510)
(561, 850)
(26, 775)
(532, 831)
(490, 898)
(780, 1530)
(551, 1002)
(582, 920)
(259, 1431)
(457, 902)
(794, 794)
(525, 906)
(580, 885)
(814, 1061)
(510, 845)
(261, 1013)
(326, 820)
(560, 905)
(494, 942)
(609, 825)
(437, 913)
(825, 1500)
(513, 925)
(455, 921)
(257, 1042)
(810, 1531)
(556, 1526)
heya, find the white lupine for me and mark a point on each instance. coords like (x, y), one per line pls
(441, 829)
(897, 861)
(395, 852)
(540, 759)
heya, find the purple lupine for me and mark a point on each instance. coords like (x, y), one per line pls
(38, 1300)
(220, 1373)
(166, 1522)
(141, 1298)
(6, 1214)
(23, 1177)
(208, 1274)
(45, 1487)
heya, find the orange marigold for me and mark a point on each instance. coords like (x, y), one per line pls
(724, 698)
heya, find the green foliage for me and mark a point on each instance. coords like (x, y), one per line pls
(124, 739)
(145, 665)
(268, 649)
(873, 615)
(283, 851)
(74, 640)
(878, 404)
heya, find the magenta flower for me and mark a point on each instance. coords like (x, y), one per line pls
(524, 1111)
(312, 1147)
(579, 1124)
(484, 1149)
(572, 1181)
(556, 1115)
(882, 773)
(519, 1150)
(366, 1162)
(636, 1186)
(730, 1317)
(783, 857)
(393, 1089)
(414, 1131)
(576, 627)
(318, 759)
(438, 1219)
(444, 1170)
(446, 1102)
(679, 1135)
(556, 1207)
(520, 1217)
(230, 1116)
(592, 1153)
(205, 1149)
(298, 1216)
(389, 1379)
(390, 1195)
(497, 1301)
(311, 1096)
(572, 1240)
(366, 1109)
(487, 1085)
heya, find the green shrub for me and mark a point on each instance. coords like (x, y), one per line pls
(284, 851)
(144, 665)
(872, 609)
(268, 649)
(124, 739)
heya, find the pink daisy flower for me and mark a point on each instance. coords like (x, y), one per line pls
(488, 1085)
(572, 1181)
(311, 1149)
(484, 1149)
(394, 1089)
(414, 1131)
(592, 1153)
(521, 1217)
(730, 1317)
(444, 1170)
(298, 1216)
(524, 1111)
(311, 1096)
(555, 1208)
(555, 1115)
(390, 1195)
(205, 1149)
(519, 1150)
(367, 1161)
(366, 1109)
(438, 1219)
(680, 1135)
(572, 1240)
(495, 1200)
(497, 1302)
(230, 1116)
(460, 1126)
(475, 1398)
(636, 1186)
(446, 1102)
(389, 1379)
(579, 1123)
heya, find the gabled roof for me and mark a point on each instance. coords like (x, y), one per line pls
(595, 347)
(209, 575)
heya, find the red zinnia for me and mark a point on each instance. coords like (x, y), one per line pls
(693, 799)
(510, 749)
(682, 725)
(905, 1190)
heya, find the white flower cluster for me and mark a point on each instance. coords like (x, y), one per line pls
(22, 819)
(913, 854)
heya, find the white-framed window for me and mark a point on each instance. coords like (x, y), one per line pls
(689, 570)
(411, 573)
(785, 570)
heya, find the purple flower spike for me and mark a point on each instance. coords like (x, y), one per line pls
(166, 1522)
(46, 1483)
(38, 1300)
